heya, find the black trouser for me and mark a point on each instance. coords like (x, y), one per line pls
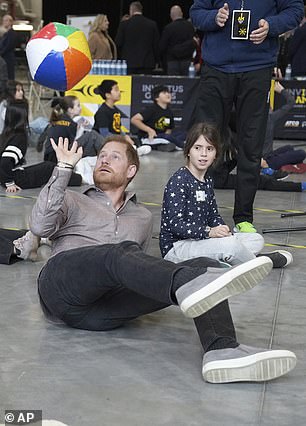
(248, 91)
(7, 236)
(38, 174)
(102, 287)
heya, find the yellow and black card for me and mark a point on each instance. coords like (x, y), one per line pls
(240, 24)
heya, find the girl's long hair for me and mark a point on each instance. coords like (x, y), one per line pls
(10, 91)
(60, 107)
(210, 133)
(16, 121)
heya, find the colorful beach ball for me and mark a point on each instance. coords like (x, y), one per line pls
(58, 56)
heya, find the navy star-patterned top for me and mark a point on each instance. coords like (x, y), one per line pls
(189, 207)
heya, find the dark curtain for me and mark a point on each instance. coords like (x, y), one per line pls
(158, 10)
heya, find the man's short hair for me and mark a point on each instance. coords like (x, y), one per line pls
(137, 6)
(131, 152)
(105, 87)
(157, 90)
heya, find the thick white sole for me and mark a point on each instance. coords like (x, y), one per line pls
(258, 367)
(237, 280)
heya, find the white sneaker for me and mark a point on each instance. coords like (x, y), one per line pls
(246, 364)
(143, 150)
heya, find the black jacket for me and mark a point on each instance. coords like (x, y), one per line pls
(177, 41)
(297, 51)
(7, 51)
(137, 40)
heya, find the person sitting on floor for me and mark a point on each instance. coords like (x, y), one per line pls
(108, 116)
(223, 178)
(273, 160)
(191, 225)
(13, 147)
(99, 276)
(155, 123)
(62, 123)
(13, 91)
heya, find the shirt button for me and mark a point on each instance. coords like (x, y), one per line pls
(116, 233)
(49, 201)
(54, 177)
(108, 203)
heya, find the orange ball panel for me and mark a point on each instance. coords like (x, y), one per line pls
(77, 66)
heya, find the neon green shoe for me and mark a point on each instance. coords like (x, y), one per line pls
(244, 227)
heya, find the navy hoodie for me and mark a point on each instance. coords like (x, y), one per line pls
(224, 54)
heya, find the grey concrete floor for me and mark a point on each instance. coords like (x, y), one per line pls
(149, 372)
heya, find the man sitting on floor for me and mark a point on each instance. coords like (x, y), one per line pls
(99, 276)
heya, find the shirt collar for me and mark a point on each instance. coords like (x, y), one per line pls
(129, 195)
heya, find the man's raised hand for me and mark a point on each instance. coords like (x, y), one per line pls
(64, 154)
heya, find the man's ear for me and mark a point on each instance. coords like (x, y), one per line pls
(132, 170)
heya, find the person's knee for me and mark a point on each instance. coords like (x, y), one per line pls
(253, 241)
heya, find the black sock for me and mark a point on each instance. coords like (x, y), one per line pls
(223, 343)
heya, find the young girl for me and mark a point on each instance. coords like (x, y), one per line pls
(62, 124)
(190, 222)
(13, 148)
(13, 91)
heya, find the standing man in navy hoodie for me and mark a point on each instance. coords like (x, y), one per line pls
(239, 50)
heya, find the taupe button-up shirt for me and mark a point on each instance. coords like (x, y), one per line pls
(73, 219)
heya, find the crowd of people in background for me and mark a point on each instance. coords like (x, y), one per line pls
(171, 49)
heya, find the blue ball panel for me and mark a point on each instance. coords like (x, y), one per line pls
(52, 72)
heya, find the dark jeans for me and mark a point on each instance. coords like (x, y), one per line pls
(177, 137)
(102, 287)
(38, 174)
(248, 91)
(285, 155)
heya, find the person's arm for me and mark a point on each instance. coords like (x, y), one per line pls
(214, 219)
(138, 121)
(50, 210)
(148, 230)
(10, 158)
(6, 170)
(102, 124)
(171, 124)
(93, 41)
(290, 15)
(289, 102)
(296, 40)
(205, 17)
